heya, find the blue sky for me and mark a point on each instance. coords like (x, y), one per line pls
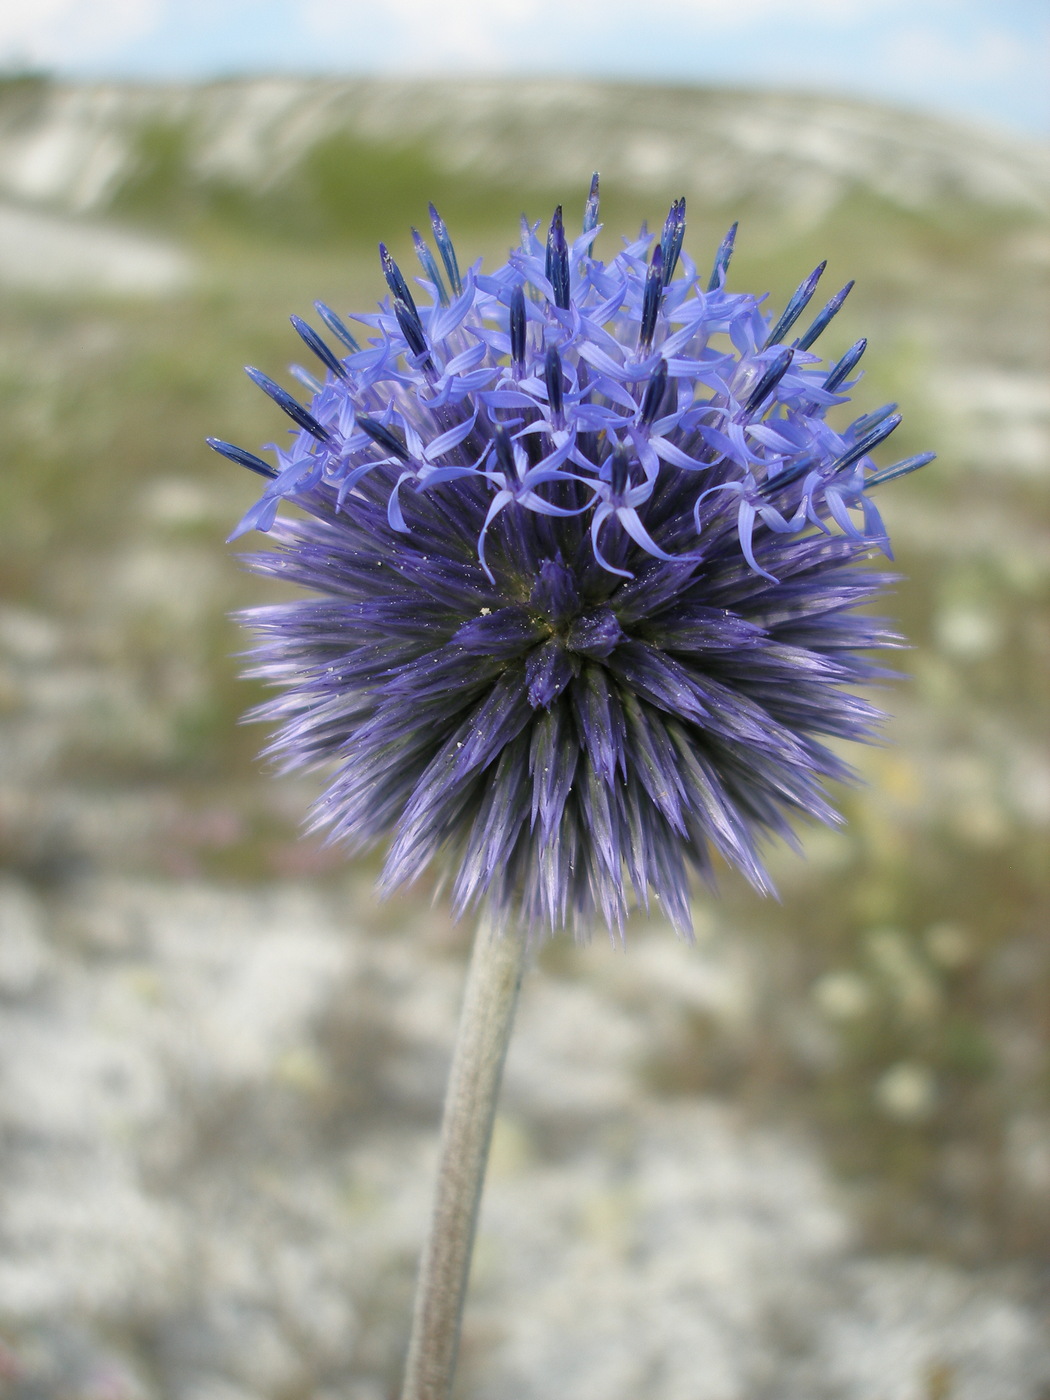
(987, 60)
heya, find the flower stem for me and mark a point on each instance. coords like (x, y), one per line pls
(489, 1002)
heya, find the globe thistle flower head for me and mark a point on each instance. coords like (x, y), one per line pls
(584, 561)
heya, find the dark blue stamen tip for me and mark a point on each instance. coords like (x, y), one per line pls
(287, 404)
(395, 281)
(721, 267)
(517, 331)
(383, 437)
(800, 299)
(242, 458)
(654, 286)
(557, 267)
(314, 342)
(552, 376)
(448, 253)
(411, 327)
(865, 445)
(336, 326)
(672, 238)
(619, 470)
(845, 367)
(910, 464)
(590, 209)
(429, 266)
(505, 452)
(825, 318)
(772, 376)
(654, 394)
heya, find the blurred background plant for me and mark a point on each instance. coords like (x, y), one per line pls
(895, 1005)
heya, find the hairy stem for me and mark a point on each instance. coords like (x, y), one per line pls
(489, 1002)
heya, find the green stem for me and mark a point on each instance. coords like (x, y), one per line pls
(489, 1002)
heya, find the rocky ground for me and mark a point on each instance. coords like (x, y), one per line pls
(218, 1117)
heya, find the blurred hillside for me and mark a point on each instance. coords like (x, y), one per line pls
(291, 141)
(227, 1085)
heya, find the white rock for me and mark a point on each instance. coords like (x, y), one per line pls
(45, 252)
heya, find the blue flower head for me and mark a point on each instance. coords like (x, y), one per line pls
(584, 556)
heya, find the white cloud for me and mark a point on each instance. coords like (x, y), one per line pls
(57, 32)
(421, 34)
(980, 55)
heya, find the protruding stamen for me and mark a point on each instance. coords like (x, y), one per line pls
(864, 424)
(654, 287)
(445, 248)
(673, 237)
(590, 209)
(287, 404)
(721, 267)
(517, 331)
(825, 318)
(383, 437)
(552, 376)
(320, 349)
(619, 470)
(558, 261)
(336, 326)
(429, 266)
(845, 366)
(242, 458)
(909, 464)
(395, 281)
(862, 448)
(411, 327)
(404, 306)
(654, 394)
(774, 373)
(785, 477)
(505, 453)
(799, 301)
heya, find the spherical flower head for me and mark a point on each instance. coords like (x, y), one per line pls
(585, 558)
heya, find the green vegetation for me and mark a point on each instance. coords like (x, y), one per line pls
(345, 191)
